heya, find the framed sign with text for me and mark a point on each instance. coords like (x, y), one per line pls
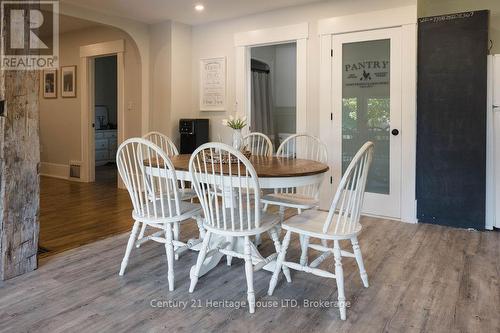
(213, 84)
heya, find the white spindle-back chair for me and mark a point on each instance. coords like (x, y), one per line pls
(258, 144)
(301, 146)
(168, 146)
(306, 147)
(162, 141)
(150, 179)
(228, 212)
(341, 222)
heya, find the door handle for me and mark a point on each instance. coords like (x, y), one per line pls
(395, 132)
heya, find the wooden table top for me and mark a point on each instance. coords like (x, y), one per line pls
(266, 166)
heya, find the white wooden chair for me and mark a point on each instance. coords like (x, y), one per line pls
(306, 197)
(302, 146)
(229, 214)
(170, 149)
(141, 164)
(341, 222)
(162, 141)
(165, 143)
(258, 144)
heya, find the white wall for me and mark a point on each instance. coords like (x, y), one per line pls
(217, 39)
(286, 76)
(181, 78)
(170, 66)
(161, 77)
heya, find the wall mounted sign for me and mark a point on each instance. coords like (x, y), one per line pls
(213, 84)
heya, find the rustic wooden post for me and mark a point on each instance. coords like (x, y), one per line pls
(19, 173)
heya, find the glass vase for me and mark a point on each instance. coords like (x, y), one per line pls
(237, 139)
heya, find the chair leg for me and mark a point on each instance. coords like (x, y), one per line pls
(169, 247)
(339, 277)
(176, 237)
(304, 246)
(279, 263)
(249, 274)
(130, 245)
(201, 229)
(258, 240)
(274, 236)
(141, 234)
(265, 207)
(231, 241)
(282, 214)
(359, 260)
(199, 261)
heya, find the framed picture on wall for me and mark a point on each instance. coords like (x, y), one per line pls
(213, 84)
(49, 83)
(68, 81)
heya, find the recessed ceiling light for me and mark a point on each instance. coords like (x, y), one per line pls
(199, 7)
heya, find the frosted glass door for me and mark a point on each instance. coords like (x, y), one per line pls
(367, 107)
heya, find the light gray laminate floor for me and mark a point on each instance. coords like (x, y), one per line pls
(423, 278)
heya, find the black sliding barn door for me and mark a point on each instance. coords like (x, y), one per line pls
(451, 119)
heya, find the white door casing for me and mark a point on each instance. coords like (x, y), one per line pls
(493, 148)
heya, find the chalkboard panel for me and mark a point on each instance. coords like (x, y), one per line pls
(451, 119)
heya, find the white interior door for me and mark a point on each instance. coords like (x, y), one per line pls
(366, 100)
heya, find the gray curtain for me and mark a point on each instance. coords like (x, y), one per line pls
(262, 103)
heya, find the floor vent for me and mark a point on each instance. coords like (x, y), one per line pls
(74, 169)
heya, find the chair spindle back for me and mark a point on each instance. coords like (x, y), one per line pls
(162, 141)
(222, 187)
(307, 147)
(259, 144)
(344, 213)
(150, 179)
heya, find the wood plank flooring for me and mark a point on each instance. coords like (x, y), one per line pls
(73, 214)
(423, 278)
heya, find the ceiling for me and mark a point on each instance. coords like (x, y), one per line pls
(68, 24)
(154, 11)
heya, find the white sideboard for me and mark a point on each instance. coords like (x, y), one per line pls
(105, 146)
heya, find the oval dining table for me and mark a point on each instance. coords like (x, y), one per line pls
(273, 172)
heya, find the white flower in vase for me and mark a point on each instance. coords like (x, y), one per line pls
(237, 124)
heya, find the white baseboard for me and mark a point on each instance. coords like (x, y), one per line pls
(54, 170)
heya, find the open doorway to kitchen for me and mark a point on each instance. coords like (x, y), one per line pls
(105, 118)
(274, 91)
